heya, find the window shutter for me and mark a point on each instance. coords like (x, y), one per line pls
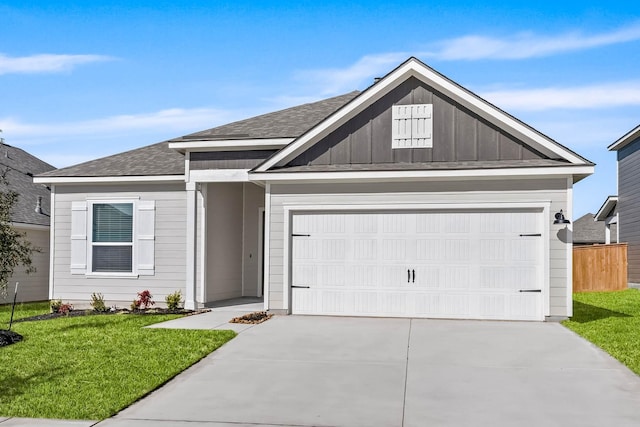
(401, 126)
(145, 236)
(422, 126)
(78, 237)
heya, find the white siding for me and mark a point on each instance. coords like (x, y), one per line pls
(224, 241)
(170, 244)
(253, 201)
(34, 286)
(390, 194)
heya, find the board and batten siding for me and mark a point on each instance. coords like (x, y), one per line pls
(629, 206)
(458, 135)
(33, 286)
(464, 193)
(170, 244)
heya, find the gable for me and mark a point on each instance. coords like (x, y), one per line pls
(546, 149)
(458, 135)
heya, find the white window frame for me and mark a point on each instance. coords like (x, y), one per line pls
(406, 129)
(91, 243)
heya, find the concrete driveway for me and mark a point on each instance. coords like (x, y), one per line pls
(323, 371)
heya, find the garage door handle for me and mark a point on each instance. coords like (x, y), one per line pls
(530, 290)
(414, 276)
(300, 235)
(300, 287)
(531, 235)
(408, 276)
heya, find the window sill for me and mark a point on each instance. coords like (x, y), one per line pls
(111, 275)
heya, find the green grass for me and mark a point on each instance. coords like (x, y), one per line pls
(611, 320)
(91, 367)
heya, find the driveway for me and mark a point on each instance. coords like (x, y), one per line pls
(324, 371)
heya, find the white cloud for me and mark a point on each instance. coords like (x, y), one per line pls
(527, 45)
(329, 81)
(45, 63)
(169, 121)
(598, 96)
(338, 80)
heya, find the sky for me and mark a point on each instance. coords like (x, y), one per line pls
(84, 79)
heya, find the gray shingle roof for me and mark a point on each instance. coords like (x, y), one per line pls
(289, 123)
(159, 159)
(152, 160)
(19, 167)
(586, 231)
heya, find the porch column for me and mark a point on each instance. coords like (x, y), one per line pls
(190, 285)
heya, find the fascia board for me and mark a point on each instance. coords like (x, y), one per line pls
(415, 68)
(606, 207)
(106, 179)
(230, 144)
(501, 173)
(626, 139)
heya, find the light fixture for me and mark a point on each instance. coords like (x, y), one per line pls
(560, 219)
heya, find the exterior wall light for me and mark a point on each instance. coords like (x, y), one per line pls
(560, 219)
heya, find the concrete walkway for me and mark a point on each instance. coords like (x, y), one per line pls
(323, 371)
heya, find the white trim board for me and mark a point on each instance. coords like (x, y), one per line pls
(219, 175)
(230, 144)
(415, 68)
(106, 179)
(557, 171)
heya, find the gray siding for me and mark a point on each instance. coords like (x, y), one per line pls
(458, 135)
(629, 205)
(170, 244)
(34, 286)
(228, 159)
(554, 191)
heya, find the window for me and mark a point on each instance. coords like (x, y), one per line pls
(412, 126)
(112, 238)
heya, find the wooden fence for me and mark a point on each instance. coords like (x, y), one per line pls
(600, 268)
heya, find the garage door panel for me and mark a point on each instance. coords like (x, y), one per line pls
(425, 264)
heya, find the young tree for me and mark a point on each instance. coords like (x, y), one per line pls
(15, 249)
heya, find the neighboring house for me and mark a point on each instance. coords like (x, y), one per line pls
(587, 230)
(628, 199)
(30, 215)
(412, 198)
(608, 214)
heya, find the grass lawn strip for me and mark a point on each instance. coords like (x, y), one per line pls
(611, 320)
(93, 366)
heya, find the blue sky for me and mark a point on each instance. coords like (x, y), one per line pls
(84, 79)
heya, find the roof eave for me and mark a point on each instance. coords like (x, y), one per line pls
(606, 209)
(576, 171)
(230, 144)
(626, 139)
(107, 179)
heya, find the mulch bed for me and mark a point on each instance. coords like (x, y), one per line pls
(252, 318)
(9, 337)
(124, 311)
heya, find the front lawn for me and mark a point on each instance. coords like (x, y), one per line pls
(611, 320)
(91, 367)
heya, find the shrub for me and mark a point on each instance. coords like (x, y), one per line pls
(135, 305)
(173, 300)
(145, 299)
(97, 303)
(65, 308)
(55, 305)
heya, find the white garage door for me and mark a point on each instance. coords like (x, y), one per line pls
(473, 265)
